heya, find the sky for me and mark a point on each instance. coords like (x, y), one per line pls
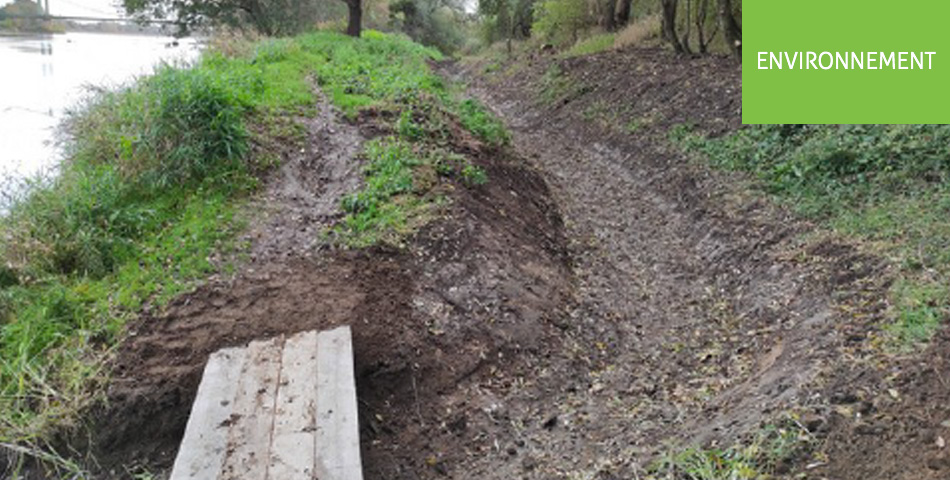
(83, 8)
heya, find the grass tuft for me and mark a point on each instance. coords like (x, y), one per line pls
(594, 44)
(768, 451)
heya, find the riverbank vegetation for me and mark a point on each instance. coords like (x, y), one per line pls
(147, 202)
(887, 185)
(137, 213)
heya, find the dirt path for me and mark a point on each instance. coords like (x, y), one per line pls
(694, 319)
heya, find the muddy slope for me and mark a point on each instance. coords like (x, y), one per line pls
(469, 295)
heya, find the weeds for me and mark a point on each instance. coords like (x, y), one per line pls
(885, 185)
(758, 459)
(591, 45)
(640, 31)
(453, 165)
(386, 204)
(476, 119)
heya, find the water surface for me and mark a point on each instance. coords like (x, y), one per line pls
(41, 76)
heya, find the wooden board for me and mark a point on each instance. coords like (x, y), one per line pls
(202, 450)
(338, 444)
(279, 409)
(294, 443)
(253, 416)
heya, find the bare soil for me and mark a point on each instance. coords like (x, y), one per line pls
(601, 297)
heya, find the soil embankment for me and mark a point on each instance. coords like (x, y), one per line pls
(599, 297)
(465, 305)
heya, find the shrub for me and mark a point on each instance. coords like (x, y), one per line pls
(561, 21)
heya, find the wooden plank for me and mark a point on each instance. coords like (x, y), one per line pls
(203, 448)
(252, 420)
(338, 442)
(294, 439)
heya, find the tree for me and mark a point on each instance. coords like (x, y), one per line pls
(623, 15)
(560, 21)
(435, 23)
(506, 19)
(609, 17)
(269, 17)
(669, 25)
(730, 27)
(703, 39)
(355, 24)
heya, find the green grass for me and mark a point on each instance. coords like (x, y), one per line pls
(385, 204)
(386, 73)
(591, 45)
(888, 186)
(478, 120)
(759, 458)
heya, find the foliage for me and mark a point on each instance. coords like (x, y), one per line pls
(269, 17)
(638, 31)
(375, 70)
(887, 185)
(26, 8)
(434, 23)
(824, 168)
(505, 19)
(390, 73)
(561, 21)
(384, 206)
(476, 119)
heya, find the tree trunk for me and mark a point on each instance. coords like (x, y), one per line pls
(623, 16)
(730, 29)
(355, 24)
(610, 15)
(669, 25)
(701, 10)
(689, 15)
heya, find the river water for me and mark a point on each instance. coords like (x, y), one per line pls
(42, 76)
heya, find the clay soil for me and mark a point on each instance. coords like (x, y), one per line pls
(600, 298)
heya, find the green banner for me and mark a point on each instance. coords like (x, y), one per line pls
(845, 61)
